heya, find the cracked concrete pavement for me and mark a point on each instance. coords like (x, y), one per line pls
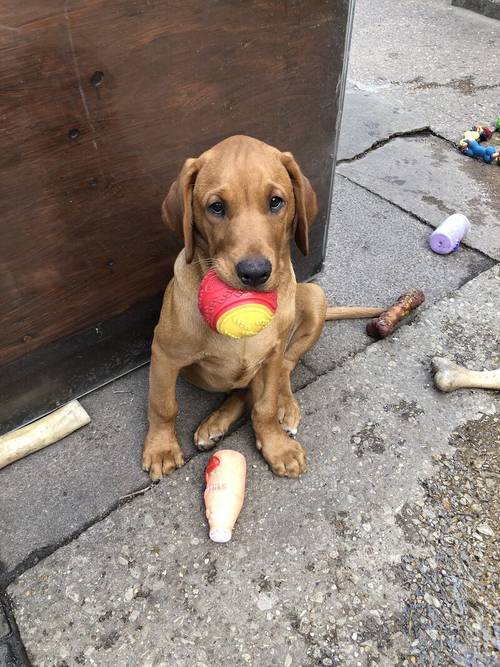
(421, 175)
(312, 573)
(418, 60)
(383, 552)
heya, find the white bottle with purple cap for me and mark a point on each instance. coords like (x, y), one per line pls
(446, 238)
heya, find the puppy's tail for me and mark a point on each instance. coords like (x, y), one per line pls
(351, 312)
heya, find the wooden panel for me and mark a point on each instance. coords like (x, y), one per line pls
(100, 102)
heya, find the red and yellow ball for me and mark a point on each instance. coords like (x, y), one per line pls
(232, 312)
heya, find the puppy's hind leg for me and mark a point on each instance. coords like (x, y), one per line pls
(215, 426)
(310, 311)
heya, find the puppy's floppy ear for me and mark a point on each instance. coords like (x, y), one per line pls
(177, 207)
(306, 207)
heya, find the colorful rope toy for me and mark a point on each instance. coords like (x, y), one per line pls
(232, 312)
(473, 141)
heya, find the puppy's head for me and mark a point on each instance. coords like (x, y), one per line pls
(239, 204)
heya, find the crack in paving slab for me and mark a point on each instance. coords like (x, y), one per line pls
(12, 651)
(424, 131)
(488, 8)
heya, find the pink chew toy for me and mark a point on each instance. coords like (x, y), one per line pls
(225, 476)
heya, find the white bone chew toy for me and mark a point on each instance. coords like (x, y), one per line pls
(41, 433)
(450, 376)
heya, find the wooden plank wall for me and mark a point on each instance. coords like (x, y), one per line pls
(101, 101)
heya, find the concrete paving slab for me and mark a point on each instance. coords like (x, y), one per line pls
(311, 575)
(57, 492)
(422, 57)
(425, 176)
(375, 253)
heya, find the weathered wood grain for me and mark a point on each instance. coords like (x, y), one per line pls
(100, 102)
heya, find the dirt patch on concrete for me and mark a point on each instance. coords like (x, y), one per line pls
(453, 591)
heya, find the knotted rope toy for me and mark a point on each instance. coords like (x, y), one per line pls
(232, 312)
(473, 143)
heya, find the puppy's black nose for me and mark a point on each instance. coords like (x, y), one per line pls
(254, 271)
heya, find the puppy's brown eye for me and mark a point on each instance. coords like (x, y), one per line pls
(217, 208)
(275, 204)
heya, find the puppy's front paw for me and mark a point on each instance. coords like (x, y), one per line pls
(161, 458)
(286, 457)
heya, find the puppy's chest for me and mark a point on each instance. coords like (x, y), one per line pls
(227, 365)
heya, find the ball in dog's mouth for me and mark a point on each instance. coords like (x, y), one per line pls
(232, 312)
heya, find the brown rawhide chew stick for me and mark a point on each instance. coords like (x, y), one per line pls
(450, 376)
(385, 324)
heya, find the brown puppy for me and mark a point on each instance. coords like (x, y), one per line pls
(237, 207)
